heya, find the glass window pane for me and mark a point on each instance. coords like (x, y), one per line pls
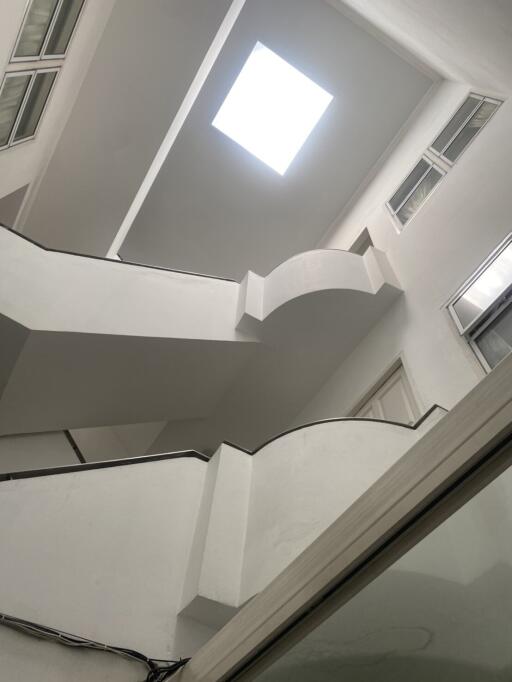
(486, 289)
(11, 97)
(419, 195)
(35, 27)
(455, 123)
(477, 121)
(35, 105)
(63, 28)
(495, 343)
(408, 184)
(441, 613)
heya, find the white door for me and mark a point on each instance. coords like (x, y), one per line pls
(392, 400)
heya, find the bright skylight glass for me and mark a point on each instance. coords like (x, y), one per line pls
(271, 108)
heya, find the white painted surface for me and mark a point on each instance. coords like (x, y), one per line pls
(35, 451)
(102, 554)
(392, 400)
(304, 480)
(115, 554)
(25, 163)
(456, 228)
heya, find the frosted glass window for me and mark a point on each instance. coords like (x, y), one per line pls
(486, 289)
(419, 195)
(409, 184)
(271, 109)
(35, 28)
(472, 127)
(35, 105)
(11, 97)
(458, 120)
(63, 27)
(495, 342)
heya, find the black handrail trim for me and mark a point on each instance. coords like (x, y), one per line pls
(112, 260)
(75, 447)
(412, 427)
(194, 454)
(106, 464)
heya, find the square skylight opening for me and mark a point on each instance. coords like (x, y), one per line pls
(271, 108)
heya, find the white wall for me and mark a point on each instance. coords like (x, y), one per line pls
(25, 163)
(465, 218)
(101, 554)
(35, 451)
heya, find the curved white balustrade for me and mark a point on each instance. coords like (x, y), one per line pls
(91, 342)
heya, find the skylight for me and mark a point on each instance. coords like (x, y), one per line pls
(271, 108)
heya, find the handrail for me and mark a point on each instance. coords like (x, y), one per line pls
(142, 459)
(105, 464)
(112, 260)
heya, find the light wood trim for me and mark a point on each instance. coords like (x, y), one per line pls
(462, 439)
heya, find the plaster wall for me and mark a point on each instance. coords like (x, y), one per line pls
(458, 226)
(35, 451)
(24, 164)
(101, 554)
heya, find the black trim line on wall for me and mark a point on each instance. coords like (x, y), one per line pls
(87, 466)
(107, 464)
(112, 260)
(412, 427)
(75, 447)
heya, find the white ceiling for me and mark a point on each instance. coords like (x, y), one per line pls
(215, 208)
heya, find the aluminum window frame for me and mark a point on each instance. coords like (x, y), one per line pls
(394, 212)
(476, 322)
(41, 56)
(472, 95)
(33, 75)
(14, 74)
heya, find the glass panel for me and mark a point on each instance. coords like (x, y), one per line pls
(477, 121)
(441, 613)
(35, 27)
(35, 105)
(63, 28)
(419, 195)
(455, 123)
(486, 289)
(408, 184)
(495, 342)
(11, 97)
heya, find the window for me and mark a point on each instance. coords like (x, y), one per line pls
(437, 160)
(414, 190)
(464, 126)
(271, 108)
(47, 29)
(391, 399)
(45, 34)
(481, 308)
(23, 97)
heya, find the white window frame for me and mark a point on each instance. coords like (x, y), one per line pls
(33, 74)
(41, 56)
(432, 163)
(501, 302)
(473, 95)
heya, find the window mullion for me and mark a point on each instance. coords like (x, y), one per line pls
(462, 126)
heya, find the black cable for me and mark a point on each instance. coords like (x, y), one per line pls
(159, 669)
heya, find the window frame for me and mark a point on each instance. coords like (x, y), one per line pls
(474, 95)
(33, 75)
(41, 56)
(472, 331)
(470, 328)
(394, 212)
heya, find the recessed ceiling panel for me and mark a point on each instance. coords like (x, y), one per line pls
(217, 209)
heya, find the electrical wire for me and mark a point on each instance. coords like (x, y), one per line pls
(158, 669)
